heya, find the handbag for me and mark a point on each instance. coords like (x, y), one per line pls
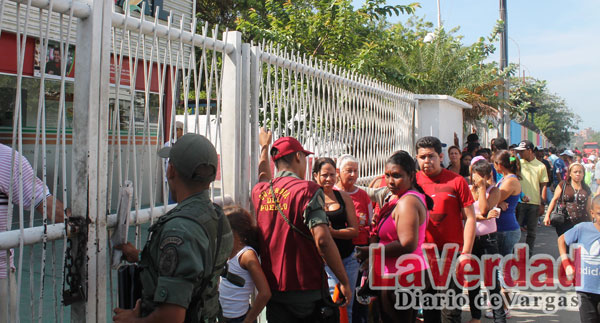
(558, 216)
(326, 310)
(366, 291)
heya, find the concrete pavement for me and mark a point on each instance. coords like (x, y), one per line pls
(546, 244)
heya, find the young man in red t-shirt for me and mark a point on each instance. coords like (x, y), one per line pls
(453, 203)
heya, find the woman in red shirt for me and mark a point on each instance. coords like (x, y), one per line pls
(347, 171)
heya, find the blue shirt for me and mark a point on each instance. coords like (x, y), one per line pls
(588, 237)
(559, 168)
(507, 221)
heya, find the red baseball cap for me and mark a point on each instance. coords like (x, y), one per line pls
(288, 145)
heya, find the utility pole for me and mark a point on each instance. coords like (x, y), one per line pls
(439, 15)
(505, 123)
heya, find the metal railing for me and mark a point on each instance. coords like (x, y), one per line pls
(332, 111)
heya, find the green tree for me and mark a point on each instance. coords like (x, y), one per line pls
(361, 40)
(225, 12)
(546, 111)
(330, 30)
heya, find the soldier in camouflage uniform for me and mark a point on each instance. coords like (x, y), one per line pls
(187, 248)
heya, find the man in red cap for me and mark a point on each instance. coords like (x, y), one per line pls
(294, 235)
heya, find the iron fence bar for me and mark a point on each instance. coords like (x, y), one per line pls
(254, 78)
(40, 127)
(323, 74)
(33, 235)
(18, 142)
(80, 9)
(162, 31)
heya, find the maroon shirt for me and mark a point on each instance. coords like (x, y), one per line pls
(290, 261)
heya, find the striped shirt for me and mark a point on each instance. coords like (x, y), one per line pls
(28, 176)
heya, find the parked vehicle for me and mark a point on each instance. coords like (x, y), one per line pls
(591, 148)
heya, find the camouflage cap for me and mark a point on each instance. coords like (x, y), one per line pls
(190, 151)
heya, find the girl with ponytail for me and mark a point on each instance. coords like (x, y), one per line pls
(508, 230)
(401, 226)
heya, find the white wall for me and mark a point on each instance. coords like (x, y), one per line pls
(440, 116)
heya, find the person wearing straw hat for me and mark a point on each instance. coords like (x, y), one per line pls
(187, 248)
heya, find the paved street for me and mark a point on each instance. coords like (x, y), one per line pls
(545, 243)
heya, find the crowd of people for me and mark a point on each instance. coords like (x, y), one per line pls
(482, 202)
(305, 251)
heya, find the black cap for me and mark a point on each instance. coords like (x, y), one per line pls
(190, 151)
(524, 145)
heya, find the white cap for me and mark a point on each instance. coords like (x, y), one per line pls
(568, 152)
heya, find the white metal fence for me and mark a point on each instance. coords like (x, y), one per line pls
(333, 111)
(86, 132)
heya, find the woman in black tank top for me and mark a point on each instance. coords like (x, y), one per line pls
(343, 223)
(338, 221)
(338, 206)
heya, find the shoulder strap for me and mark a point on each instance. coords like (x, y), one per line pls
(219, 231)
(562, 193)
(505, 177)
(192, 312)
(324, 288)
(419, 196)
(340, 198)
(285, 217)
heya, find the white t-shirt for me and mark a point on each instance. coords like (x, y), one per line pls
(235, 300)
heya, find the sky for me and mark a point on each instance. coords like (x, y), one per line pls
(556, 41)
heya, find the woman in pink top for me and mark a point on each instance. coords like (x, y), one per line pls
(486, 198)
(401, 227)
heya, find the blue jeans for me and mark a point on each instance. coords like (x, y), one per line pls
(351, 265)
(550, 194)
(507, 240)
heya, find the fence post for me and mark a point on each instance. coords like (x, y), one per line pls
(89, 171)
(233, 124)
(245, 128)
(255, 82)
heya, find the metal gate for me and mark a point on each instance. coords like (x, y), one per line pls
(104, 94)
